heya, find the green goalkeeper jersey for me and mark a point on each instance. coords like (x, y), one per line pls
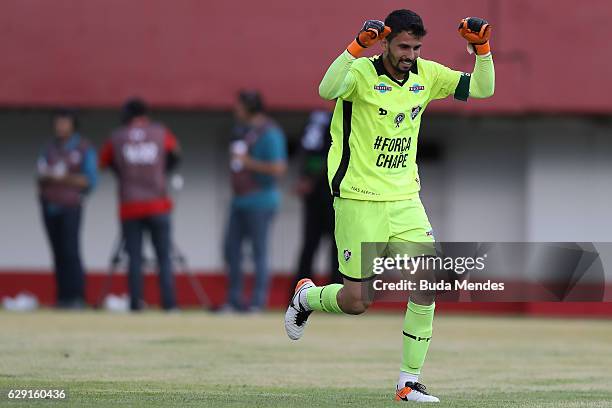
(375, 127)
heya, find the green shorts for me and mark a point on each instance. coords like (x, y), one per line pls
(396, 227)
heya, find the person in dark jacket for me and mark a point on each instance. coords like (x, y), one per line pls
(141, 152)
(67, 172)
(258, 157)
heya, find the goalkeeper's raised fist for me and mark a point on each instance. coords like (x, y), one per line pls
(477, 32)
(371, 32)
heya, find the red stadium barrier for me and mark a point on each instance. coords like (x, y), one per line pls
(42, 285)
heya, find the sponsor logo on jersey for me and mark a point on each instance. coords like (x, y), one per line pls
(416, 88)
(394, 151)
(382, 111)
(414, 112)
(399, 119)
(347, 255)
(140, 153)
(363, 191)
(382, 88)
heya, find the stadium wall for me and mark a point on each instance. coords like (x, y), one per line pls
(197, 54)
(484, 179)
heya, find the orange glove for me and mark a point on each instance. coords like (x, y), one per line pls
(477, 32)
(371, 32)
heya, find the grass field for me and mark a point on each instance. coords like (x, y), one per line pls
(197, 359)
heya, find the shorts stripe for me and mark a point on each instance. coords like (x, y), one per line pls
(350, 278)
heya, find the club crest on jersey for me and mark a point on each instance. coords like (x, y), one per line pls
(382, 88)
(416, 88)
(414, 112)
(347, 255)
(399, 119)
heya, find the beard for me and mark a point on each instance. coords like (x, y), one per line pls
(400, 65)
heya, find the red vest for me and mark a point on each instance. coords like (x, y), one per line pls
(139, 157)
(244, 181)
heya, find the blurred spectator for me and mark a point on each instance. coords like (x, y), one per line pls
(258, 158)
(313, 187)
(67, 170)
(140, 153)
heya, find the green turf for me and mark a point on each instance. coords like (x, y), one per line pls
(197, 359)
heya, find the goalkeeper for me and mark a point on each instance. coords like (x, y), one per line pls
(372, 168)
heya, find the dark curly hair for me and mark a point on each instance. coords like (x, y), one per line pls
(70, 113)
(252, 101)
(133, 108)
(405, 20)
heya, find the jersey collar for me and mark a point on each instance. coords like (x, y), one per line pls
(381, 70)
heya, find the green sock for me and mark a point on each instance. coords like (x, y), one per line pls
(324, 298)
(418, 326)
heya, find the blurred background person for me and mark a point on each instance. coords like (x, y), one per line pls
(140, 153)
(317, 201)
(67, 172)
(258, 158)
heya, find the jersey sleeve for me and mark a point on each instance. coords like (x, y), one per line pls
(170, 141)
(339, 80)
(106, 155)
(276, 147)
(89, 167)
(446, 82)
(482, 84)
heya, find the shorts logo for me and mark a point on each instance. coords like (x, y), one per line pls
(414, 112)
(382, 88)
(399, 119)
(416, 88)
(347, 255)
